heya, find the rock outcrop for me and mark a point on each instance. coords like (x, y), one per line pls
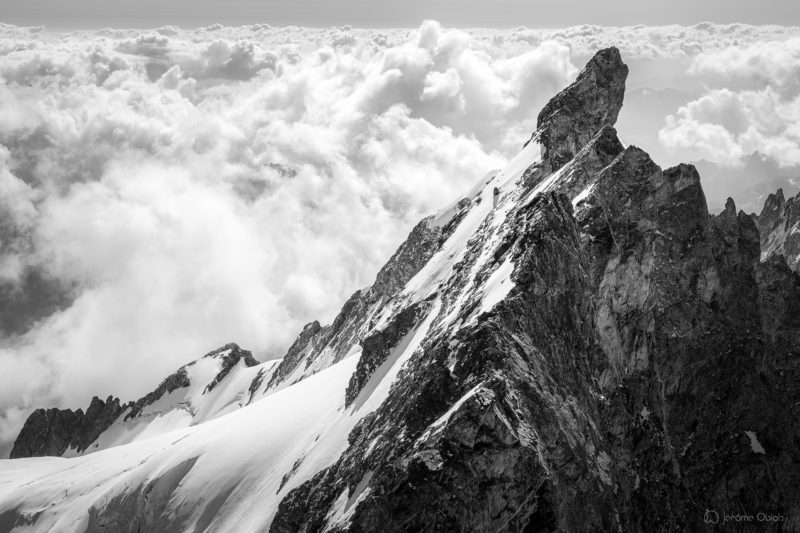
(53, 431)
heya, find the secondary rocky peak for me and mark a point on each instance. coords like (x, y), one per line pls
(779, 228)
(233, 351)
(730, 206)
(777, 197)
(230, 355)
(577, 113)
(773, 208)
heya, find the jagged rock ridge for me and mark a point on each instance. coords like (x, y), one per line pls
(318, 347)
(53, 431)
(779, 227)
(594, 352)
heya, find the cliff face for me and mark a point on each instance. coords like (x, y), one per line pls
(586, 350)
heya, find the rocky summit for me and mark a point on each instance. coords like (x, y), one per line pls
(575, 345)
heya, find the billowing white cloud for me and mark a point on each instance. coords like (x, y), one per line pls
(750, 103)
(724, 126)
(774, 63)
(187, 188)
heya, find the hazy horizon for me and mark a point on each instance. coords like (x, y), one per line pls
(96, 14)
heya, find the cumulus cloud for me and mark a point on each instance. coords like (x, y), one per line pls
(775, 63)
(179, 189)
(724, 125)
(187, 190)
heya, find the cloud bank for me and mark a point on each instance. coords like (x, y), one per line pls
(163, 192)
(752, 105)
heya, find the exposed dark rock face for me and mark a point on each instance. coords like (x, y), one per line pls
(296, 351)
(774, 210)
(255, 384)
(53, 431)
(412, 255)
(644, 368)
(375, 348)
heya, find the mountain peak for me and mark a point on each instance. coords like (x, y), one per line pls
(576, 333)
(572, 117)
(730, 206)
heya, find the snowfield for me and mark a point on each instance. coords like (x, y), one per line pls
(230, 463)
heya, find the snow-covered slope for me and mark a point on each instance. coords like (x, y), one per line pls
(202, 400)
(493, 377)
(206, 474)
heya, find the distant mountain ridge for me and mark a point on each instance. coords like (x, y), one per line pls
(67, 432)
(749, 184)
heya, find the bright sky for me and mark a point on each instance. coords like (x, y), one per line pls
(87, 14)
